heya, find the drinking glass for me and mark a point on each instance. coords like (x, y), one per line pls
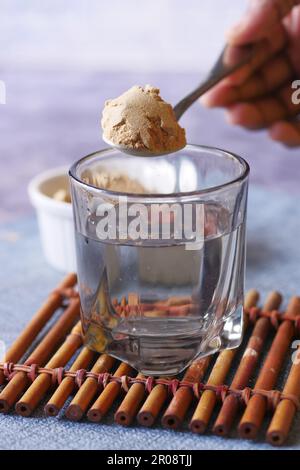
(161, 254)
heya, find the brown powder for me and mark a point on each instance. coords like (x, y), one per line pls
(139, 119)
(113, 181)
(62, 195)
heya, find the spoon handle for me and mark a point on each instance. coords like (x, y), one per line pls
(230, 59)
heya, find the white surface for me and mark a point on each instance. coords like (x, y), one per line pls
(158, 35)
(55, 219)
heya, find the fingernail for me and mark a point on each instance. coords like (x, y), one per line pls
(204, 100)
(236, 30)
(232, 118)
(229, 117)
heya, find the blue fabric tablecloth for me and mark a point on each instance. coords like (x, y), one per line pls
(25, 280)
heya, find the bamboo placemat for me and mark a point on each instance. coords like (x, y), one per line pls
(216, 389)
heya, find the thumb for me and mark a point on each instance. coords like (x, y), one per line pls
(259, 21)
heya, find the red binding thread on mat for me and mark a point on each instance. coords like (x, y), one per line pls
(8, 368)
(275, 317)
(58, 375)
(273, 397)
(66, 292)
(80, 377)
(33, 372)
(103, 379)
(149, 384)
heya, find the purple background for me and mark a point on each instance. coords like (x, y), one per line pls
(53, 118)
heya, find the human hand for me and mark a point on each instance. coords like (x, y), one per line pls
(260, 93)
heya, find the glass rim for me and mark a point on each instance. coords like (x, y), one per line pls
(211, 189)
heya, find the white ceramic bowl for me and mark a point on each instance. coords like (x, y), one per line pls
(55, 218)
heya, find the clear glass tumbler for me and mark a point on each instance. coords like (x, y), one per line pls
(161, 254)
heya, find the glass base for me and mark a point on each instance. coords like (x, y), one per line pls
(167, 352)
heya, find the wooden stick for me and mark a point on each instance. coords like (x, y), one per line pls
(217, 376)
(257, 405)
(248, 362)
(286, 410)
(152, 406)
(39, 356)
(86, 393)
(42, 383)
(67, 385)
(183, 397)
(38, 321)
(135, 394)
(129, 406)
(108, 396)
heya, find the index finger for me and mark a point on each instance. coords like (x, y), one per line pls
(261, 18)
(264, 50)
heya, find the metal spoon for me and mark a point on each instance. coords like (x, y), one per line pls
(230, 59)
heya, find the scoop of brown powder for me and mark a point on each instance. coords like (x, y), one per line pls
(140, 119)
